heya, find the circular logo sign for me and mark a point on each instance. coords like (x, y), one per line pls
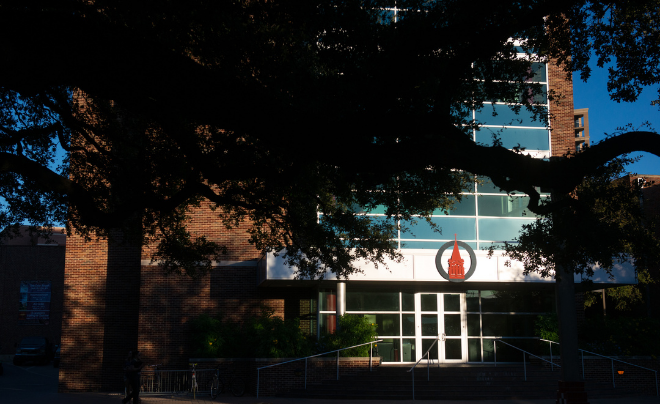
(456, 271)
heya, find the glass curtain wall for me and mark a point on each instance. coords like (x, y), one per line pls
(507, 315)
(394, 314)
(486, 215)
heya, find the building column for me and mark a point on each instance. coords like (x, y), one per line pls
(341, 300)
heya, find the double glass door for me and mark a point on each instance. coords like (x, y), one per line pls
(441, 317)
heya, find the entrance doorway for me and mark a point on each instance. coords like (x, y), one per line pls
(441, 317)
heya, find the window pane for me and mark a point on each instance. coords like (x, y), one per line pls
(389, 350)
(501, 229)
(489, 355)
(517, 301)
(538, 73)
(327, 300)
(505, 353)
(510, 137)
(408, 347)
(472, 298)
(408, 301)
(463, 208)
(504, 115)
(408, 325)
(328, 323)
(465, 227)
(426, 343)
(430, 245)
(372, 301)
(429, 302)
(504, 206)
(388, 324)
(453, 349)
(452, 302)
(473, 325)
(453, 325)
(474, 350)
(430, 325)
(485, 185)
(508, 325)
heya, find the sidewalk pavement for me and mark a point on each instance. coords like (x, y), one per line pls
(38, 385)
(105, 398)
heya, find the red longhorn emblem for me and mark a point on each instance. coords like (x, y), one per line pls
(456, 268)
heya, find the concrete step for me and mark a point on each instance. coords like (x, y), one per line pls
(451, 382)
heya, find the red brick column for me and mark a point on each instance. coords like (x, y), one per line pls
(101, 300)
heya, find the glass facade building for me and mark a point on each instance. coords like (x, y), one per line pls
(416, 303)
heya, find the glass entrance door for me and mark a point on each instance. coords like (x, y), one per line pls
(441, 316)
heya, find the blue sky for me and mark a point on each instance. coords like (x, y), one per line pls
(606, 115)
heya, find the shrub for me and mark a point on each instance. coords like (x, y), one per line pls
(547, 327)
(207, 340)
(622, 336)
(262, 336)
(272, 337)
(351, 330)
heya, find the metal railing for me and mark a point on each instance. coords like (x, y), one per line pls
(582, 351)
(428, 364)
(524, 357)
(371, 351)
(173, 381)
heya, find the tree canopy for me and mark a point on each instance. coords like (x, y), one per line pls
(286, 112)
(600, 224)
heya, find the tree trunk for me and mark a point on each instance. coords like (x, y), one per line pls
(571, 387)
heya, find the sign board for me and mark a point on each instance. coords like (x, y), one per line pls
(34, 304)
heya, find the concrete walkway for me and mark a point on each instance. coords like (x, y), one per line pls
(38, 385)
(99, 398)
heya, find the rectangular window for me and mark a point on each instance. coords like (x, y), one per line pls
(528, 138)
(502, 114)
(465, 227)
(501, 229)
(372, 301)
(504, 206)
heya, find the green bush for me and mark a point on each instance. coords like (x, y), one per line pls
(272, 337)
(621, 336)
(351, 330)
(547, 327)
(611, 336)
(207, 339)
(264, 336)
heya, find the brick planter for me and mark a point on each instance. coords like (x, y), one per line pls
(633, 378)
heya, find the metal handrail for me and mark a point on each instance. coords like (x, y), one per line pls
(428, 372)
(522, 350)
(582, 351)
(371, 350)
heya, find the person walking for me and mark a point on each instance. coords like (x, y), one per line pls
(132, 372)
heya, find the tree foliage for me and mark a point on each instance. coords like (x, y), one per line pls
(351, 330)
(294, 115)
(601, 223)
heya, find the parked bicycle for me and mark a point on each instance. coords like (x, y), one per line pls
(155, 381)
(235, 384)
(193, 382)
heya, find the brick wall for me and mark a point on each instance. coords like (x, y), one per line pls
(561, 111)
(169, 302)
(29, 263)
(116, 301)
